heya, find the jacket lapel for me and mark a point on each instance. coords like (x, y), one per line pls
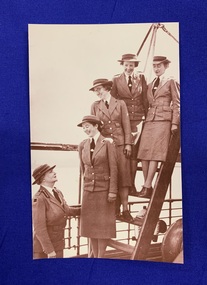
(150, 89)
(99, 145)
(103, 108)
(122, 82)
(87, 154)
(162, 83)
(51, 197)
(112, 105)
(135, 83)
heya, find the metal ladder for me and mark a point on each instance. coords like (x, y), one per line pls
(142, 246)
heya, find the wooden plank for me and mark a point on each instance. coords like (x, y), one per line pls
(150, 221)
(121, 246)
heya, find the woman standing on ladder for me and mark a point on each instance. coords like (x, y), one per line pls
(162, 119)
(131, 87)
(114, 114)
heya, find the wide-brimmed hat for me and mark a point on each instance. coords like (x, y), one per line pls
(40, 171)
(101, 82)
(129, 57)
(160, 59)
(90, 119)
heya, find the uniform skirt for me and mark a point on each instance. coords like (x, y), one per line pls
(124, 171)
(154, 141)
(97, 216)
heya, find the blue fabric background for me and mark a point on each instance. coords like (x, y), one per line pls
(17, 266)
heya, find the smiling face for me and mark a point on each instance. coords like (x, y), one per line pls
(160, 68)
(128, 67)
(90, 129)
(101, 92)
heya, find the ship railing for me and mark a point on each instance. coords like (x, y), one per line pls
(125, 232)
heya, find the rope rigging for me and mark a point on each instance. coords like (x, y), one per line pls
(153, 29)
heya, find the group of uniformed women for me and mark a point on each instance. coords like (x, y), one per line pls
(109, 156)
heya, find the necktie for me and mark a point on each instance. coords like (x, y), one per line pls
(107, 104)
(56, 195)
(156, 83)
(92, 146)
(130, 83)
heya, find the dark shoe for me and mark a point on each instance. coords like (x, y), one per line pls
(145, 192)
(133, 190)
(127, 216)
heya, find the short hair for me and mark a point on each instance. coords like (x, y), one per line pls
(100, 126)
(166, 64)
(39, 181)
(107, 87)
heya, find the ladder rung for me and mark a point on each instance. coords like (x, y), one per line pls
(121, 246)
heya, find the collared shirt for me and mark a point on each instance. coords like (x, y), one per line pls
(95, 137)
(48, 189)
(161, 78)
(108, 98)
(127, 76)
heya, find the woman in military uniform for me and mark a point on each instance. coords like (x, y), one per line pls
(162, 119)
(114, 114)
(99, 168)
(50, 212)
(131, 87)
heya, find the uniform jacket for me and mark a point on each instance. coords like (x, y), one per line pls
(49, 220)
(100, 173)
(164, 105)
(115, 119)
(136, 99)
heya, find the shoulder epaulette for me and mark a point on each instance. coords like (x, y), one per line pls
(83, 142)
(139, 74)
(172, 78)
(96, 102)
(117, 74)
(43, 191)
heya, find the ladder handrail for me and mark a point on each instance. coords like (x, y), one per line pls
(153, 212)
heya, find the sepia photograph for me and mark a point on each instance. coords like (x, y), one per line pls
(105, 141)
